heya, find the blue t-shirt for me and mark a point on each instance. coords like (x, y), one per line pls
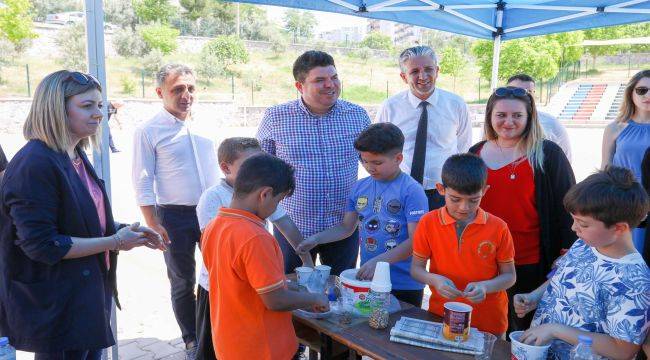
(596, 293)
(385, 208)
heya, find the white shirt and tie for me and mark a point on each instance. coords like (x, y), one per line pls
(171, 165)
(449, 130)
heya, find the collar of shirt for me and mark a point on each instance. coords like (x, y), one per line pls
(446, 219)
(225, 184)
(415, 101)
(173, 119)
(302, 106)
(242, 214)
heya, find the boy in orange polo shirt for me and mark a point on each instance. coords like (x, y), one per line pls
(470, 251)
(250, 302)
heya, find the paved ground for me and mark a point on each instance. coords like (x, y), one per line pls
(146, 325)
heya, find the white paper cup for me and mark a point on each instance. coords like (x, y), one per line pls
(303, 273)
(521, 351)
(381, 278)
(323, 272)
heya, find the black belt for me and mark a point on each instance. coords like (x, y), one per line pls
(178, 207)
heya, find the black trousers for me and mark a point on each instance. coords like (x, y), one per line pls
(205, 350)
(413, 297)
(436, 200)
(340, 255)
(70, 355)
(182, 227)
(529, 278)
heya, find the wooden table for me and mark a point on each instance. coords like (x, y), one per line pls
(336, 341)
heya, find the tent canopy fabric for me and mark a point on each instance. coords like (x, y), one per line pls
(480, 18)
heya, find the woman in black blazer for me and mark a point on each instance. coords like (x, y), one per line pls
(58, 240)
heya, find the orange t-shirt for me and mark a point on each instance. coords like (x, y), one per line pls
(484, 244)
(244, 261)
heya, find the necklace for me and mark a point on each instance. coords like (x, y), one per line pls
(513, 164)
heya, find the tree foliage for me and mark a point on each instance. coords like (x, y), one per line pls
(300, 23)
(453, 62)
(72, 44)
(194, 9)
(149, 11)
(161, 37)
(377, 40)
(16, 22)
(571, 46)
(41, 8)
(225, 51)
(121, 13)
(129, 43)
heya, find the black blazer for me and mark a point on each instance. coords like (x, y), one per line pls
(645, 178)
(47, 303)
(551, 185)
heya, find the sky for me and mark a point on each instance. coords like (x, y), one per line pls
(326, 21)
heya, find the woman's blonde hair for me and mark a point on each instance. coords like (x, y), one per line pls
(627, 109)
(533, 136)
(47, 119)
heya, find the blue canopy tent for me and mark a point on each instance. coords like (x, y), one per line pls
(486, 19)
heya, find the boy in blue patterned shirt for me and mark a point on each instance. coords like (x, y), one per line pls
(602, 285)
(387, 206)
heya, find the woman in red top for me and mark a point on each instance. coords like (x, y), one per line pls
(528, 178)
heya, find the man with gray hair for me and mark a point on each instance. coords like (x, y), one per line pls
(435, 122)
(172, 166)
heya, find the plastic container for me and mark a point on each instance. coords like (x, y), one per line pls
(583, 351)
(7, 352)
(355, 293)
(380, 287)
(521, 351)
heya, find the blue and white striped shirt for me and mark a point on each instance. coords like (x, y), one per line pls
(320, 148)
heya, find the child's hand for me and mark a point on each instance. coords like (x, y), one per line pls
(321, 303)
(367, 271)
(446, 288)
(539, 335)
(475, 292)
(306, 245)
(524, 303)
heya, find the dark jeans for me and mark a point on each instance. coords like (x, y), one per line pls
(340, 255)
(413, 297)
(529, 278)
(205, 350)
(183, 229)
(436, 200)
(70, 355)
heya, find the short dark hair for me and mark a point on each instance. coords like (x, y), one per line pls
(264, 170)
(611, 196)
(231, 148)
(309, 60)
(521, 77)
(382, 138)
(465, 173)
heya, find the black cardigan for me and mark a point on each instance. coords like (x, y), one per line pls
(645, 177)
(551, 185)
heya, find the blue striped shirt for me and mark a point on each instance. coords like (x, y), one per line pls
(320, 148)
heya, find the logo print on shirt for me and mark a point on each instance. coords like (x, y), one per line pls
(362, 202)
(391, 244)
(486, 249)
(372, 225)
(394, 206)
(371, 244)
(392, 227)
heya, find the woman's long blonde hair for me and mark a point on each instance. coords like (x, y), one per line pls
(48, 120)
(627, 109)
(533, 136)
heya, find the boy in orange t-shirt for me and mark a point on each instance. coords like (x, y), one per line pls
(250, 302)
(470, 251)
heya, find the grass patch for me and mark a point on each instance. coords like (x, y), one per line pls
(363, 94)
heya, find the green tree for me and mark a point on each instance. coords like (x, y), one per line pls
(570, 44)
(194, 9)
(377, 40)
(255, 24)
(453, 62)
(152, 62)
(300, 23)
(153, 10)
(161, 37)
(8, 55)
(225, 51)
(534, 56)
(72, 46)
(129, 43)
(363, 53)
(15, 21)
(603, 33)
(121, 13)
(279, 44)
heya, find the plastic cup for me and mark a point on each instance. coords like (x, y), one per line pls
(521, 351)
(323, 272)
(381, 279)
(303, 273)
(457, 318)
(488, 346)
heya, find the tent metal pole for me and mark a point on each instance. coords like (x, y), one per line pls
(97, 68)
(496, 52)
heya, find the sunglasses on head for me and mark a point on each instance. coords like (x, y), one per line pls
(82, 79)
(511, 91)
(641, 90)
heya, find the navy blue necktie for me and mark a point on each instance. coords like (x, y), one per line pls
(420, 150)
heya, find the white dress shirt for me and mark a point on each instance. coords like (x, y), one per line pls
(449, 130)
(555, 131)
(211, 201)
(169, 166)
